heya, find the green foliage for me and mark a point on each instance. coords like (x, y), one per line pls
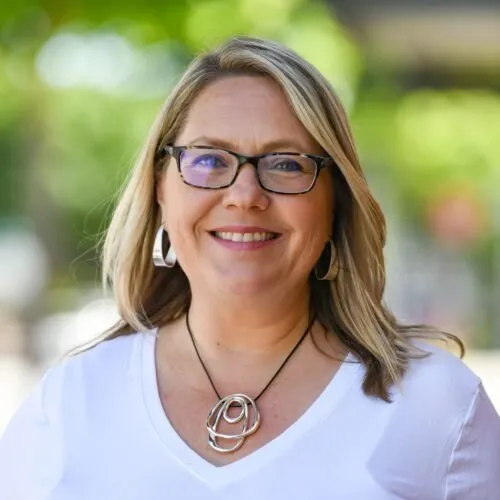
(431, 140)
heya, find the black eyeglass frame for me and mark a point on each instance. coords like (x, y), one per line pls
(320, 162)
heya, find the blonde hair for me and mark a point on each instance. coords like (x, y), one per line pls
(351, 307)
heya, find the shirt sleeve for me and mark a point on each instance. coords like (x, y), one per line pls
(474, 471)
(31, 446)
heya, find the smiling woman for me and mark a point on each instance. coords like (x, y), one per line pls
(257, 353)
(247, 113)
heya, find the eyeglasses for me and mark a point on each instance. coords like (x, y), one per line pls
(208, 167)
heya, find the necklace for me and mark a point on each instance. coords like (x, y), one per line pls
(248, 415)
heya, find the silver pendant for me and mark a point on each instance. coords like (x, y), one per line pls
(248, 415)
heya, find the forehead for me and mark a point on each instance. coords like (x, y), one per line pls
(245, 111)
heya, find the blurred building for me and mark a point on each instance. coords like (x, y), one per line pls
(428, 42)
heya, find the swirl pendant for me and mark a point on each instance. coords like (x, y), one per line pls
(248, 416)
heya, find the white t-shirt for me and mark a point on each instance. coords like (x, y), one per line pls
(94, 429)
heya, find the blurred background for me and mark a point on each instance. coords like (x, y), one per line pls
(82, 80)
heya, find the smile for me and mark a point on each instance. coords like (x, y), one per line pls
(245, 237)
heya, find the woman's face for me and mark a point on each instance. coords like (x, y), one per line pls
(248, 115)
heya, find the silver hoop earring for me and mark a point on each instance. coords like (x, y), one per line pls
(159, 260)
(333, 266)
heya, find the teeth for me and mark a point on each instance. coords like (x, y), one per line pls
(246, 237)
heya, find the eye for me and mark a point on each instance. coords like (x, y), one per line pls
(287, 165)
(282, 164)
(208, 161)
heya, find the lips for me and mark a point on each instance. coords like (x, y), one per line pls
(245, 237)
(244, 234)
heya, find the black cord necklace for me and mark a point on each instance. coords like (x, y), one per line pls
(249, 414)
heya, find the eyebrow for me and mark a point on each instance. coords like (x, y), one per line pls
(271, 146)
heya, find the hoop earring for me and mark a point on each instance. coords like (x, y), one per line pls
(333, 267)
(159, 260)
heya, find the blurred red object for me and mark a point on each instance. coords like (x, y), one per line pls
(457, 218)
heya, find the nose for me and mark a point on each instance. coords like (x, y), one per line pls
(245, 193)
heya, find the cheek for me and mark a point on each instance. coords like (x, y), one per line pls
(310, 224)
(315, 216)
(312, 220)
(324, 205)
(185, 207)
(171, 200)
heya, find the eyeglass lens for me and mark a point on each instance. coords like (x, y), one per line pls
(212, 168)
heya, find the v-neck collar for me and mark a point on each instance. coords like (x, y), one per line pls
(219, 476)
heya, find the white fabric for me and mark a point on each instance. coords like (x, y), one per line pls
(94, 429)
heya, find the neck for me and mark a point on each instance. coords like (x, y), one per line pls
(249, 325)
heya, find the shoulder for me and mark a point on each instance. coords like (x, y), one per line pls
(81, 378)
(439, 417)
(115, 351)
(61, 407)
(435, 395)
(441, 378)
(104, 365)
(82, 384)
(448, 401)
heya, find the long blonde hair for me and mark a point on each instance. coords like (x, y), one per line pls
(352, 306)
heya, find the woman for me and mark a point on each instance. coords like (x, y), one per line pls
(256, 360)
